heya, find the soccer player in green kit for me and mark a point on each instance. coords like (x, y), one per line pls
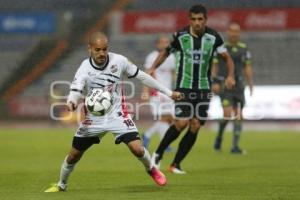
(233, 100)
(194, 46)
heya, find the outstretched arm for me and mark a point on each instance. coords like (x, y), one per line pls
(151, 82)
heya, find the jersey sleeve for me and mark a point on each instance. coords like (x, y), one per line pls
(174, 45)
(219, 46)
(131, 69)
(79, 80)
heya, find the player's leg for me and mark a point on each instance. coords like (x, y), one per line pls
(79, 146)
(200, 107)
(172, 133)
(227, 111)
(183, 112)
(237, 125)
(185, 145)
(134, 144)
(164, 124)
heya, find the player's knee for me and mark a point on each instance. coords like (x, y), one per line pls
(227, 111)
(73, 157)
(195, 125)
(181, 124)
(138, 151)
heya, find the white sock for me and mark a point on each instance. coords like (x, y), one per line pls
(162, 129)
(151, 131)
(146, 160)
(65, 172)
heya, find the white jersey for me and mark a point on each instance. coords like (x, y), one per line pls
(164, 73)
(109, 77)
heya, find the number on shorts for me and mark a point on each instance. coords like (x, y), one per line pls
(128, 122)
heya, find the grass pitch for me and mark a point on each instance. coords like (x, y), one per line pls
(31, 159)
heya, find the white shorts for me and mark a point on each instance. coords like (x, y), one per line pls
(94, 126)
(161, 105)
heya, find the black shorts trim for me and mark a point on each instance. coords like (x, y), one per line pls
(128, 137)
(83, 143)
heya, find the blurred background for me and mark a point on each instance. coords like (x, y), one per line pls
(43, 42)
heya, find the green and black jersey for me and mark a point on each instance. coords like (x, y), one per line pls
(241, 56)
(194, 57)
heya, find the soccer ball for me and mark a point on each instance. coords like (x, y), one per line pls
(99, 102)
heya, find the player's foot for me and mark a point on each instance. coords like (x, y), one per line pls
(57, 188)
(158, 177)
(176, 170)
(217, 145)
(237, 150)
(155, 160)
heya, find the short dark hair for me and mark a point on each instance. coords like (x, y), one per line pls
(199, 8)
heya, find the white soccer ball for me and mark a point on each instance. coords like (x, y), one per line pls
(98, 102)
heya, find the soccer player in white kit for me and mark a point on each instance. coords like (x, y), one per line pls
(161, 106)
(106, 70)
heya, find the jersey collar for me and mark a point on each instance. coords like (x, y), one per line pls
(199, 36)
(97, 67)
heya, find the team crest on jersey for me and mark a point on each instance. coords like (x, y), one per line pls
(113, 68)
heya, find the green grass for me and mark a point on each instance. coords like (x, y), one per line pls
(31, 159)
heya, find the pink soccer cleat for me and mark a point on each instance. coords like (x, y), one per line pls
(158, 176)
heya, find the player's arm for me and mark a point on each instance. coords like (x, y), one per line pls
(134, 72)
(230, 80)
(152, 83)
(229, 64)
(248, 71)
(76, 90)
(162, 56)
(222, 51)
(174, 45)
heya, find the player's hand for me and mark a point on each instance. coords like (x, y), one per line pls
(216, 88)
(71, 106)
(229, 82)
(176, 96)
